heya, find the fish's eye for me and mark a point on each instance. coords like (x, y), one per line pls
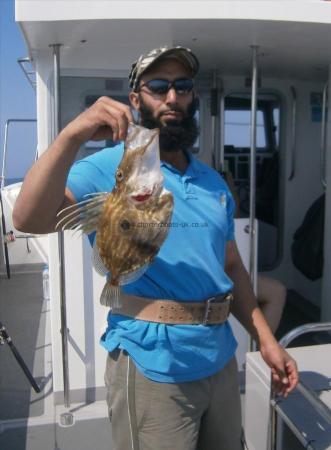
(119, 175)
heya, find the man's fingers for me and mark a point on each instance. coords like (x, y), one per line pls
(118, 111)
(119, 122)
(105, 119)
(278, 387)
(281, 374)
(292, 372)
(122, 107)
(117, 119)
(285, 380)
(278, 384)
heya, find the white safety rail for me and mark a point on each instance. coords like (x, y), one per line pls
(24, 250)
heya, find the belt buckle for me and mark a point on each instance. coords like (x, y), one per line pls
(207, 310)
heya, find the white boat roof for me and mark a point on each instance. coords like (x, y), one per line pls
(293, 36)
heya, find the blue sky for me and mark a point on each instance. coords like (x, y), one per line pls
(17, 98)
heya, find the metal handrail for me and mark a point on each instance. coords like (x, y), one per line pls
(306, 392)
(3, 242)
(293, 132)
(304, 329)
(64, 326)
(323, 135)
(215, 120)
(5, 145)
(252, 199)
(2, 185)
(222, 125)
(30, 74)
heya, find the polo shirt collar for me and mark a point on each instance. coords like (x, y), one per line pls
(192, 171)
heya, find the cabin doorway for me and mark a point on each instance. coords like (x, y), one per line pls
(237, 110)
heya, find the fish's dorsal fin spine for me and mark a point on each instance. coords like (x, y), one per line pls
(83, 215)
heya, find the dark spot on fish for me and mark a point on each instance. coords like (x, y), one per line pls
(146, 247)
(125, 225)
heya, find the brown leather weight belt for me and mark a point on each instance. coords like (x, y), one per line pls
(212, 311)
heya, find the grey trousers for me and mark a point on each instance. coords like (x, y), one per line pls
(197, 415)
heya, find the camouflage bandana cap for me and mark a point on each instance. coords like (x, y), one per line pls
(182, 54)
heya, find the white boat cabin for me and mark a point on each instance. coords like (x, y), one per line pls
(99, 40)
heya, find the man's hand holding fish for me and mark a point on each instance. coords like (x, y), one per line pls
(105, 119)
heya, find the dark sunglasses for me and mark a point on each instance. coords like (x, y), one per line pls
(159, 86)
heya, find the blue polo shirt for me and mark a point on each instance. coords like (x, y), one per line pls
(188, 267)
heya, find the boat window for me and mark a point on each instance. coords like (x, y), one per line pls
(237, 126)
(237, 115)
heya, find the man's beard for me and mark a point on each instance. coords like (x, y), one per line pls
(176, 134)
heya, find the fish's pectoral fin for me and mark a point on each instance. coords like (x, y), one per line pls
(111, 296)
(83, 215)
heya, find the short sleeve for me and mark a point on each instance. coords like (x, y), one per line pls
(83, 179)
(96, 173)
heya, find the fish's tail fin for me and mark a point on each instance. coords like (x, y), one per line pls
(111, 296)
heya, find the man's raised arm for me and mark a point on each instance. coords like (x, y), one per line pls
(44, 191)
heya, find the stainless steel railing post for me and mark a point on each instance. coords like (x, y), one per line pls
(323, 135)
(4, 155)
(252, 188)
(215, 120)
(64, 326)
(293, 133)
(222, 125)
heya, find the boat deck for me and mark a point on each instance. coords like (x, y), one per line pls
(23, 313)
(30, 421)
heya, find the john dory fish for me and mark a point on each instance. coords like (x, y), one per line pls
(130, 222)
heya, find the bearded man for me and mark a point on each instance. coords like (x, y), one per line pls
(170, 385)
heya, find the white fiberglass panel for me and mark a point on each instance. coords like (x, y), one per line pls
(49, 10)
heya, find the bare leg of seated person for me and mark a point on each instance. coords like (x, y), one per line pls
(271, 296)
